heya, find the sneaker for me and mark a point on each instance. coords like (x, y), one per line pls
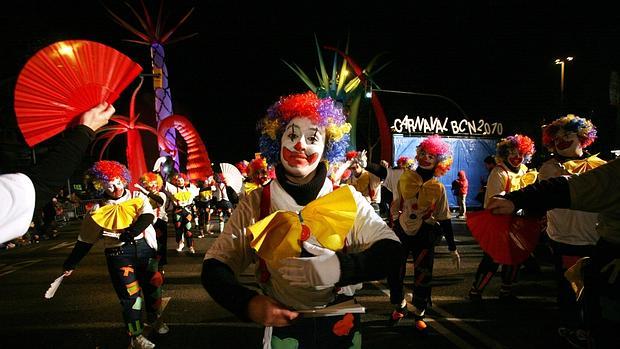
(420, 325)
(398, 314)
(577, 338)
(181, 246)
(161, 328)
(475, 296)
(192, 250)
(140, 342)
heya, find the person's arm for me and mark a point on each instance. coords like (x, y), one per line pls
(544, 195)
(136, 228)
(51, 173)
(80, 250)
(370, 264)
(220, 281)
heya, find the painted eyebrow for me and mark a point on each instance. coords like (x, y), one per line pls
(292, 127)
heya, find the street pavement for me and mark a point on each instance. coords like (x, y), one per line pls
(85, 312)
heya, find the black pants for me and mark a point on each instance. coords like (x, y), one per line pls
(161, 231)
(564, 257)
(422, 248)
(487, 269)
(133, 270)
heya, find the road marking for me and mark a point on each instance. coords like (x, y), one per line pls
(460, 323)
(6, 269)
(488, 341)
(62, 245)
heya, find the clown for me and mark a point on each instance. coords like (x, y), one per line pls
(259, 174)
(572, 233)
(421, 205)
(183, 194)
(317, 257)
(510, 173)
(150, 186)
(124, 225)
(363, 180)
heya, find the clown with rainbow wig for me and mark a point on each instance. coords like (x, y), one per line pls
(572, 233)
(125, 226)
(510, 174)
(421, 208)
(308, 241)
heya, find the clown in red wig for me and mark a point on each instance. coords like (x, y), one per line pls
(510, 173)
(124, 225)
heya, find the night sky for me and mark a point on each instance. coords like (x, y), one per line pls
(494, 58)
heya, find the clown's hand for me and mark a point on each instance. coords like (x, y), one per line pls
(613, 268)
(319, 271)
(456, 259)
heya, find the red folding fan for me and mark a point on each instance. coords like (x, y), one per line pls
(66, 79)
(509, 239)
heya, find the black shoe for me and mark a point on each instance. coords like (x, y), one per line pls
(397, 315)
(577, 338)
(475, 296)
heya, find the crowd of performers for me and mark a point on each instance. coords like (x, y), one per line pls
(311, 219)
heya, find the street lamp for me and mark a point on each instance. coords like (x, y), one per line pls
(561, 62)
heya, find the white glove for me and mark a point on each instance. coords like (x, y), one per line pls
(613, 268)
(456, 259)
(319, 271)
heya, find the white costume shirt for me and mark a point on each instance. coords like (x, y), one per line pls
(90, 231)
(233, 246)
(17, 199)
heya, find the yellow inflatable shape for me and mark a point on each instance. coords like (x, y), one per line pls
(329, 219)
(117, 216)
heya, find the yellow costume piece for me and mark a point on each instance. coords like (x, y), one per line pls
(581, 166)
(117, 216)
(206, 195)
(411, 185)
(182, 196)
(249, 186)
(329, 219)
(528, 178)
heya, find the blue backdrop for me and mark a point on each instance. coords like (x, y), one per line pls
(469, 154)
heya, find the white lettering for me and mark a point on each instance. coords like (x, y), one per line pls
(437, 125)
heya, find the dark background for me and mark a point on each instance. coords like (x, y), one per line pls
(494, 58)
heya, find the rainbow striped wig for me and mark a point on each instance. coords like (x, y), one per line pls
(585, 130)
(103, 172)
(321, 111)
(523, 144)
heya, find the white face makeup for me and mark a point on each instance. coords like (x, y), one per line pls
(302, 147)
(515, 159)
(180, 182)
(425, 160)
(152, 186)
(568, 145)
(115, 188)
